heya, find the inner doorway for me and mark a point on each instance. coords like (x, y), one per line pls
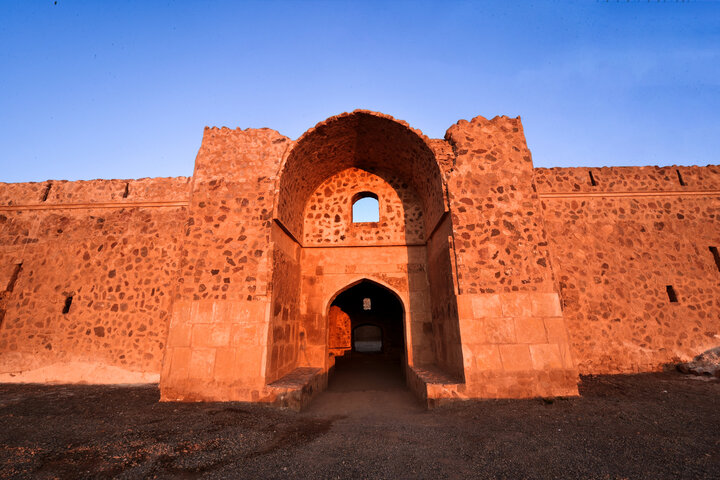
(366, 339)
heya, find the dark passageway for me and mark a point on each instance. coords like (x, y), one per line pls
(367, 339)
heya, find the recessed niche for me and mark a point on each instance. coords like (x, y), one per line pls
(716, 256)
(46, 192)
(680, 178)
(13, 277)
(68, 303)
(592, 179)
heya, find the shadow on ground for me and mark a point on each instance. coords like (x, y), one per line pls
(652, 426)
(368, 387)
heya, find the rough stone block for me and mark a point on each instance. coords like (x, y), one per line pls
(498, 330)
(546, 305)
(486, 306)
(202, 363)
(486, 357)
(515, 358)
(516, 305)
(546, 356)
(530, 330)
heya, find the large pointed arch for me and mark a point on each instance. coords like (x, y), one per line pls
(388, 312)
(368, 140)
(364, 279)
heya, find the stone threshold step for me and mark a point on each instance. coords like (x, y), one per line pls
(296, 389)
(433, 386)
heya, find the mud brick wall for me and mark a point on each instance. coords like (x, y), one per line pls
(617, 245)
(217, 346)
(328, 213)
(108, 250)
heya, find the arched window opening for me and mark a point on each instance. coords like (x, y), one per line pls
(365, 208)
(367, 339)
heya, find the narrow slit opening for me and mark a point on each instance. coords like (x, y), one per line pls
(672, 296)
(127, 190)
(592, 179)
(680, 178)
(46, 192)
(68, 302)
(716, 256)
(14, 277)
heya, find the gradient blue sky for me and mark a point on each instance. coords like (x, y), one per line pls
(123, 89)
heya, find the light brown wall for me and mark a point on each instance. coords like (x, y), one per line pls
(217, 345)
(511, 328)
(328, 213)
(401, 269)
(338, 253)
(615, 246)
(446, 340)
(284, 330)
(116, 256)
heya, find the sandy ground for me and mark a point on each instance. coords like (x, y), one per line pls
(367, 425)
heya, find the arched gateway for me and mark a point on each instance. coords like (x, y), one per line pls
(222, 285)
(271, 338)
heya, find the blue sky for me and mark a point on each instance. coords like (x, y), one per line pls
(123, 89)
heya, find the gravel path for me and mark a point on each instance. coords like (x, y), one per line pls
(652, 426)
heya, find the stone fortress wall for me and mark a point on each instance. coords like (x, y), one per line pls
(618, 240)
(513, 278)
(87, 271)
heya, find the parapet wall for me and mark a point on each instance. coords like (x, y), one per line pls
(63, 192)
(86, 275)
(620, 239)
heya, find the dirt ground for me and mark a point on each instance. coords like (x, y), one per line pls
(652, 426)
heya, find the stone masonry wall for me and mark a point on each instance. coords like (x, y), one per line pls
(328, 213)
(326, 272)
(217, 345)
(617, 245)
(371, 141)
(111, 245)
(511, 277)
(511, 325)
(446, 341)
(284, 331)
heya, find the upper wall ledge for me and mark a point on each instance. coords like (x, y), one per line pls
(97, 193)
(629, 181)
